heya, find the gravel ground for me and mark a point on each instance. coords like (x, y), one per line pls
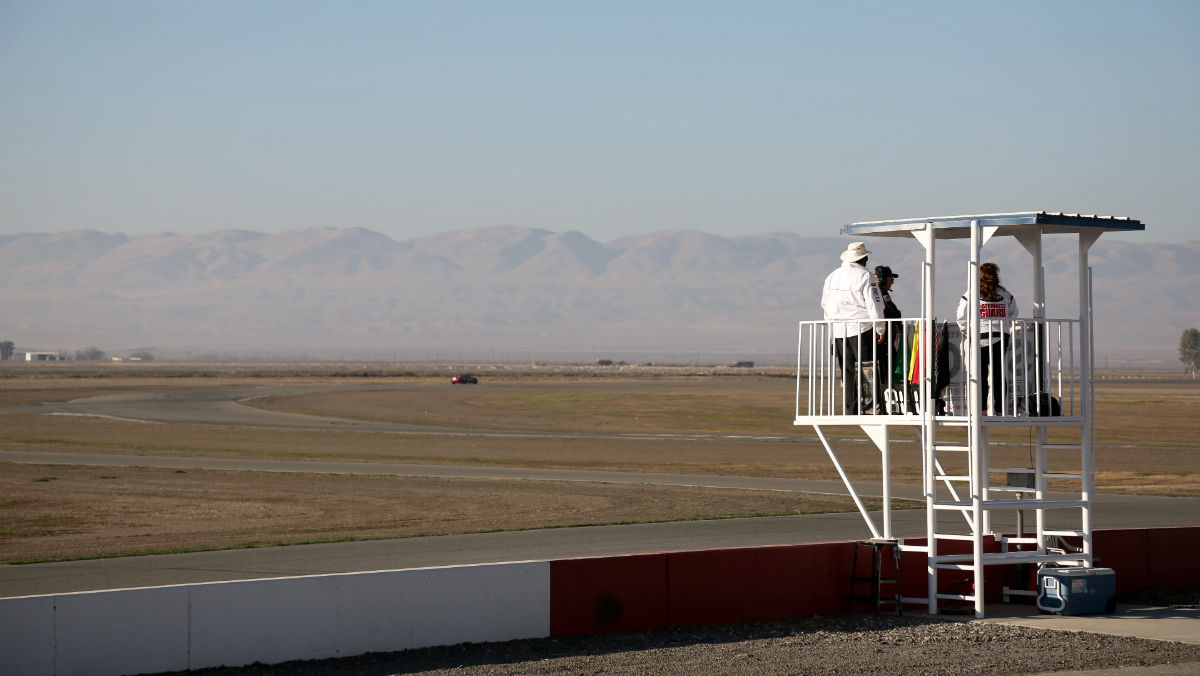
(838, 644)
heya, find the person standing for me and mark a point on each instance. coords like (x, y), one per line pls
(852, 302)
(896, 352)
(995, 304)
(884, 277)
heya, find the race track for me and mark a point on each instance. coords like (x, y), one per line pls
(221, 407)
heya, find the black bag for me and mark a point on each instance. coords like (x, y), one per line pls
(1043, 404)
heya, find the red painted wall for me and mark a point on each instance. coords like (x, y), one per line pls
(754, 584)
(758, 584)
(1173, 556)
(608, 594)
(1127, 552)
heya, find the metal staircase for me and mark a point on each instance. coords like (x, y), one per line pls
(980, 504)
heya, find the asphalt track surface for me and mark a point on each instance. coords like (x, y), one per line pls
(221, 407)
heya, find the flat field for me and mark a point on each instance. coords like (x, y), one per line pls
(694, 421)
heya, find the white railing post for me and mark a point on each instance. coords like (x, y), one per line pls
(800, 366)
(974, 410)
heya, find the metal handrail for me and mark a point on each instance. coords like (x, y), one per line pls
(1039, 374)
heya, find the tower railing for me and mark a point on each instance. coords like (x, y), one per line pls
(1037, 374)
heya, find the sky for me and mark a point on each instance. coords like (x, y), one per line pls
(612, 118)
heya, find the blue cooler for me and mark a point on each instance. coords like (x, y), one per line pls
(1076, 591)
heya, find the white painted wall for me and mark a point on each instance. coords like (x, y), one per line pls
(121, 632)
(27, 635)
(340, 615)
(271, 620)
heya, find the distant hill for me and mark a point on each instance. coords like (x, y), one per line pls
(515, 292)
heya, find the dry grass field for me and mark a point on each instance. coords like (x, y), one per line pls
(1148, 442)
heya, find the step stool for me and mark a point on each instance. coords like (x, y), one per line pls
(875, 579)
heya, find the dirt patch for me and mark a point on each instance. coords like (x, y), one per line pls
(1147, 433)
(71, 512)
(792, 457)
(763, 406)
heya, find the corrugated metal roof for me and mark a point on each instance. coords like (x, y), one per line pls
(950, 227)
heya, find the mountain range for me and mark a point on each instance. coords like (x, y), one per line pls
(513, 292)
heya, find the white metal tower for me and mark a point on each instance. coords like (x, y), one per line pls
(1046, 387)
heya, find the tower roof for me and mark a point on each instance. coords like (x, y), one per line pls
(958, 227)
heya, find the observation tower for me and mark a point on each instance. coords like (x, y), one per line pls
(980, 469)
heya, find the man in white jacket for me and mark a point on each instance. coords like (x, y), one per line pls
(849, 294)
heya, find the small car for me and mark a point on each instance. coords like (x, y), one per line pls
(464, 379)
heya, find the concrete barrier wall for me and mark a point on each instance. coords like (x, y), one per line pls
(340, 615)
(752, 584)
(27, 635)
(1145, 558)
(109, 632)
(749, 584)
(279, 619)
(154, 629)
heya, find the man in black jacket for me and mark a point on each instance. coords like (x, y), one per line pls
(894, 363)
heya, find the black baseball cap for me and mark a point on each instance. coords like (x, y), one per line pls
(883, 272)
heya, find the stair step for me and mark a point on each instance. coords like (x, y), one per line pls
(1033, 504)
(961, 504)
(991, 558)
(954, 566)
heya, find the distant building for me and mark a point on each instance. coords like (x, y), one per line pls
(42, 356)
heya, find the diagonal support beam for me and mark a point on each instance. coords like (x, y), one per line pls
(846, 480)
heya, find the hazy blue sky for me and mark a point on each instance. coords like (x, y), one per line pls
(608, 117)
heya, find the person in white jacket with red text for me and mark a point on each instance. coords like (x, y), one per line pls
(851, 293)
(995, 305)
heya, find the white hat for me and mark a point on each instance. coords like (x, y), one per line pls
(855, 251)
